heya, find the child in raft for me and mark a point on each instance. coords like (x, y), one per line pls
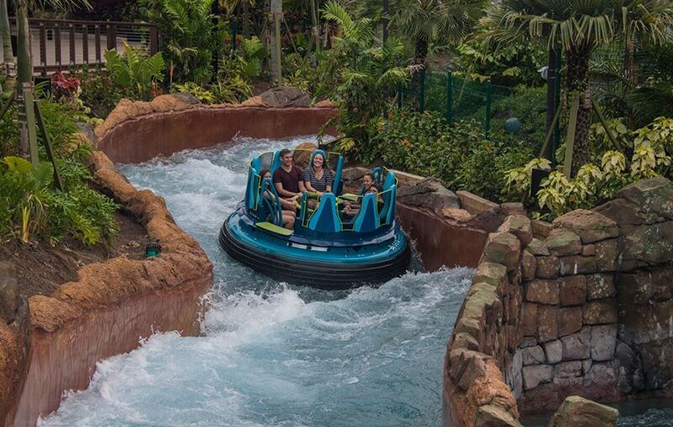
(288, 206)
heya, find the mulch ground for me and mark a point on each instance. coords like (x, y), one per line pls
(41, 268)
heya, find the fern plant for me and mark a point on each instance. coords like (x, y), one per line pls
(135, 72)
(358, 74)
(189, 37)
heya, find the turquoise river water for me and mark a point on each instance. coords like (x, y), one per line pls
(271, 354)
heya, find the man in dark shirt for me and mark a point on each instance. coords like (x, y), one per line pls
(288, 178)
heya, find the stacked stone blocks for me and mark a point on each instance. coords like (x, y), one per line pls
(584, 308)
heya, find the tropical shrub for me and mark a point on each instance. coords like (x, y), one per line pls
(189, 37)
(202, 94)
(134, 73)
(358, 74)
(651, 151)
(513, 64)
(64, 87)
(96, 94)
(459, 155)
(31, 208)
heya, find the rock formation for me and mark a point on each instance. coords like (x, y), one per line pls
(576, 411)
(583, 310)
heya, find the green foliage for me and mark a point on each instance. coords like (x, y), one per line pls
(578, 25)
(458, 155)
(99, 97)
(31, 208)
(514, 64)
(203, 95)
(639, 92)
(652, 152)
(189, 37)
(358, 73)
(528, 105)
(424, 22)
(231, 91)
(133, 72)
(253, 53)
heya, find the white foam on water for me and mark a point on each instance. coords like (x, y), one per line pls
(272, 354)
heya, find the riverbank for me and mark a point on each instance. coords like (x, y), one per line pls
(110, 304)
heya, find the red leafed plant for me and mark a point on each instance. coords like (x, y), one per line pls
(63, 86)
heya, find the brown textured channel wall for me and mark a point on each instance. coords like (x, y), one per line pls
(441, 243)
(139, 131)
(112, 305)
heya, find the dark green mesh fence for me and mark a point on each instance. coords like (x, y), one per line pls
(469, 99)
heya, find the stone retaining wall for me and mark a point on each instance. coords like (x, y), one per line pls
(586, 310)
(110, 306)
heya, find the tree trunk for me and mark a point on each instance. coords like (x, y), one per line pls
(421, 52)
(24, 57)
(24, 69)
(314, 26)
(8, 56)
(577, 85)
(246, 19)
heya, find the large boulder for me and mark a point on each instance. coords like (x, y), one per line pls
(576, 411)
(588, 225)
(502, 248)
(495, 416)
(302, 154)
(652, 196)
(520, 226)
(352, 178)
(428, 193)
(285, 97)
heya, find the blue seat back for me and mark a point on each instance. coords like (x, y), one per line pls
(325, 219)
(388, 196)
(388, 210)
(271, 205)
(368, 218)
(275, 164)
(252, 187)
(337, 186)
(303, 211)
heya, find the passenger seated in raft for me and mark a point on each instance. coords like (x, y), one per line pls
(367, 181)
(352, 209)
(350, 199)
(288, 206)
(288, 177)
(318, 178)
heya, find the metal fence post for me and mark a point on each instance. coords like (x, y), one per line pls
(487, 119)
(449, 96)
(422, 94)
(557, 101)
(234, 28)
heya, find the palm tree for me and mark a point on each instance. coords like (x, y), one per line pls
(428, 21)
(579, 27)
(8, 56)
(622, 94)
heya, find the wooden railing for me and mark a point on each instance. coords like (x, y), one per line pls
(61, 44)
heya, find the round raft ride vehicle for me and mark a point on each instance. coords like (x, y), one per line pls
(327, 248)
